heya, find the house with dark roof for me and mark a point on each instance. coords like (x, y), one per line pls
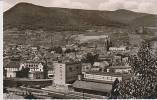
(36, 70)
(33, 66)
(11, 68)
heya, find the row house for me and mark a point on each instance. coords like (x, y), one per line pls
(105, 76)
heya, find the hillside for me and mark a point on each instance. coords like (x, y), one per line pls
(25, 15)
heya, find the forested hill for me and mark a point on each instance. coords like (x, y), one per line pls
(26, 15)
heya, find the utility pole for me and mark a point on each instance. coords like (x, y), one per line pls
(95, 47)
(52, 40)
(83, 93)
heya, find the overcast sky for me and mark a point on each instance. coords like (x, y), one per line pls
(146, 6)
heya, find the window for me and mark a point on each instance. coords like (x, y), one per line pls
(50, 75)
(77, 67)
(70, 69)
(60, 70)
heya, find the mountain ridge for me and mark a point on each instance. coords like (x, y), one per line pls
(27, 15)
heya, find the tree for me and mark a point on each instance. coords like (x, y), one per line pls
(58, 49)
(23, 73)
(108, 45)
(91, 58)
(115, 89)
(4, 72)
(45, 69)
(144, 81)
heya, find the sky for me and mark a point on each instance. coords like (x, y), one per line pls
(145, 6)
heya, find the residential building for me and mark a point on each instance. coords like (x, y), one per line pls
(105, 76)
(50, 70)
(86, 67)
(11, 69)
(115, 49)
(36, 75)
(36, 69)
(119, 69)
(33, 66)
(96, 69)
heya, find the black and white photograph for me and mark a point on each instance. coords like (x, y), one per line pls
(79, 49)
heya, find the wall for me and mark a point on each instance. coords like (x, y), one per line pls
(16, 82)
(122, 70)
(11, 74)
(72, 72)
(86, 67)
(59, 73)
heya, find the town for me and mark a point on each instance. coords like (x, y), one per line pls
(79, 49)
(79, 69)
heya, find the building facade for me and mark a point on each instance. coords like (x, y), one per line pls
(107, 77)
(66, 73)
(36, 70)
(33, 66)
(119, 69)
(86, 67)
(11, 69)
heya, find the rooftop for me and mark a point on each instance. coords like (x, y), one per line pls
(98, 81)
(69, 63)
(102, 87)
(13, 64)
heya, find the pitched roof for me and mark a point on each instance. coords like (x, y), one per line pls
(13, 64)
(102, 87)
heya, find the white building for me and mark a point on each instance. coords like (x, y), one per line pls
(102, 64)
(119, 69)
(12, 68)
(114, 49)
(107, 77)
(59, 73)
(36, 69)
(50, 73)
(33, 66)
(66, 73)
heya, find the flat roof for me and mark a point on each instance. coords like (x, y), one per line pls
(13, 64)
(102, 87)
(98, 81)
